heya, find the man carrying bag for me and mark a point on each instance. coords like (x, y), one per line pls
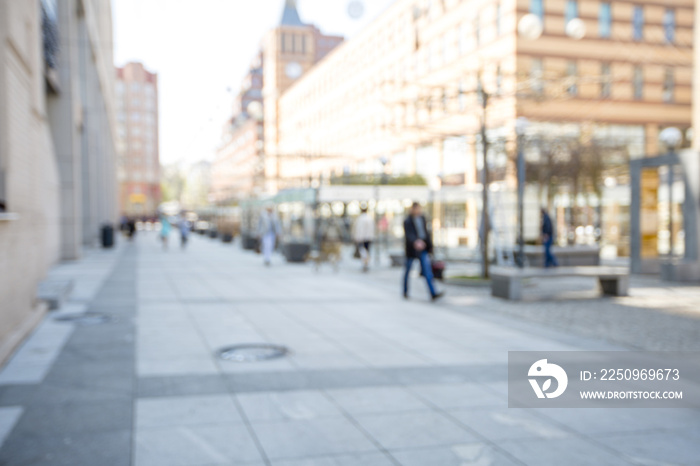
(419, 245)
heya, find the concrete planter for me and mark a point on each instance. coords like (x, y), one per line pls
(296, 251)
(249, 242)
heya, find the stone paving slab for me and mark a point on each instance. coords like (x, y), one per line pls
(371, 380)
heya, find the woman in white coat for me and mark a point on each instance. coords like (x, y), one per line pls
(269, 229)
(363, 234)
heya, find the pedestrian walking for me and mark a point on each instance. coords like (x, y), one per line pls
(131, 229)
(165, 228)
(419, 245)
(185, 228)
(548, 239)
(269, 229)
(363, 234)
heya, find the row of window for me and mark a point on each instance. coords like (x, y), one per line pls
(135, 88)
(149, 104)
(136, 117)
(605, 19)
(606, 80)
(293, 43)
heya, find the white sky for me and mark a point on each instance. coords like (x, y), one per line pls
(201, 49)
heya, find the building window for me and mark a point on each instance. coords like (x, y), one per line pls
(638, 22)
(605, 81)
(670, 25)
(669, 85)
(443, 49)
(536, 74)
(477, 28)
(638, 82)
(498, 19)
(462, 98)
(572, 78)
(463, 38)
(605, 20)
(283, 41)
(571, 11)
(537, 8)
(499, 80)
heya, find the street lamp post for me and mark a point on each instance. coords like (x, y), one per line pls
(484, 98)
(521, 125)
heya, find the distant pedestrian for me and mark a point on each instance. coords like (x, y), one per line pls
(548, 239)
(269, 229)
(363, 234)
(165, 228)
(131, 229)
(185, 228)
(419, 245)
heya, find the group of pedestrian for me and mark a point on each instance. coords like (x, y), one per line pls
(417, 238)
(183, 226)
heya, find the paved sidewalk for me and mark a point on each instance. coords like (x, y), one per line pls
(372, 380)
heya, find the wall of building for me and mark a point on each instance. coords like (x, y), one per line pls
(411, 78)
(57, 175)
(289, 52)
(237, 171)
(81, 115)
(29, 243)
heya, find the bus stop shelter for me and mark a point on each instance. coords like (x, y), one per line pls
(665, 189)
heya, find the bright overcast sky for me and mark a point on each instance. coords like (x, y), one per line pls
(202, 48)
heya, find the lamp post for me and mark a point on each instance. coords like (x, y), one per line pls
(671, 137)
(484, 99)
(521, 125)
(381, 180)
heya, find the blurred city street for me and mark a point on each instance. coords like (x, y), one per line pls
(349, 233)
(370, 379)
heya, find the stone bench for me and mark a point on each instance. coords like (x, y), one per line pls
(507, 283)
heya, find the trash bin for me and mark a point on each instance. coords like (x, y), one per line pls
(296, 251)
(107, 236)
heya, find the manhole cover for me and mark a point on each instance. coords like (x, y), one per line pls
(88, 318)
(252, 352)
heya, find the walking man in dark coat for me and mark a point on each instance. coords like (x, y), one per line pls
(419, 245)
(548, 240)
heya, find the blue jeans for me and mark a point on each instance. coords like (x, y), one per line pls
(427, 272)
(549, 259)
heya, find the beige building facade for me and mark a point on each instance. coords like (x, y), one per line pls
(238, 169)
(237, 172)
(410, 79)
(137, 141)
(57, 178)
(403, 96)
